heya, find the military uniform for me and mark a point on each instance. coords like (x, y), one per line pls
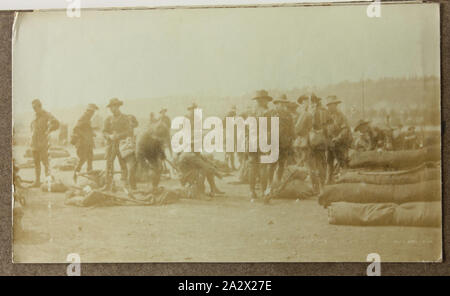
(127, 149)
(167, 122)
(150, 154)
(83, 139)
(42, 125)
(317, 141)
(116, 128)
(229, 156)
(286, 138)
(256, 168)
(339, 140)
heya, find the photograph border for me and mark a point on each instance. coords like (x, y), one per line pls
(183, 269)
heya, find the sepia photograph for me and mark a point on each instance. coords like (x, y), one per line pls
(227, 134)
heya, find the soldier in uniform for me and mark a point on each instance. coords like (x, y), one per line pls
(83, 140)
(286, 137)
(339, 139)
(229, 156)
(317, 143)
(116, 128)
(42, 125)
(150, 152)
(257, 169)
(303, 125)
(165, 120)
(366, 139)
(127, 148)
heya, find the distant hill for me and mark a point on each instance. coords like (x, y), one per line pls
(413, 100)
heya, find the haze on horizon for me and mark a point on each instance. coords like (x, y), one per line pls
(223, 52)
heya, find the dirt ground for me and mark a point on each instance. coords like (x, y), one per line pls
(229, 228)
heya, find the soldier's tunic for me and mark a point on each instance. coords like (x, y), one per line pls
(303, 126)
(229, 156)
(286, 139)
(128, 152)
(165, 120)
(317, 160)
(150, 155)
(83, 139)
(257, 169)
(43, 124)
(340, 140)
(119, 126)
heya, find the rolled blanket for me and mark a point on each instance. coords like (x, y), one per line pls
(385, 178)
(369, 193)
(394, 159)
(345, 213)
(420, 214)
(427, 214)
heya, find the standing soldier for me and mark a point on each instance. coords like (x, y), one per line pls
(317, 139)
(339, 139)
(42, 125)
(257, 169)
(303, 126)
(83, 140)
(286, 137)
(165, 120)
(127, 149)
(116, 128)
(229, 156)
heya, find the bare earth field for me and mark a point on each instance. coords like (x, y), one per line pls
(228, 228)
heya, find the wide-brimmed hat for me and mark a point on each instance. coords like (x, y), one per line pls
(332, 100)
(192, 106)
(163, 110)
(282, 100)
(262, 95)
(302, 98)
(315, 99)
(360, 123)
(92, 107)
(114, 102)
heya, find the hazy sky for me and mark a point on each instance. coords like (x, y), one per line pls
(153, 53)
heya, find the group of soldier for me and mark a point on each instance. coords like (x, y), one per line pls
(314, 134)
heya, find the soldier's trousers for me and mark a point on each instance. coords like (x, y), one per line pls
(128, 166)
(337, 159)
(317, 164)
(257, 170)
(85, 154)
(40, 155)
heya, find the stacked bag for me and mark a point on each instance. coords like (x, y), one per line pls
(408, 197)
